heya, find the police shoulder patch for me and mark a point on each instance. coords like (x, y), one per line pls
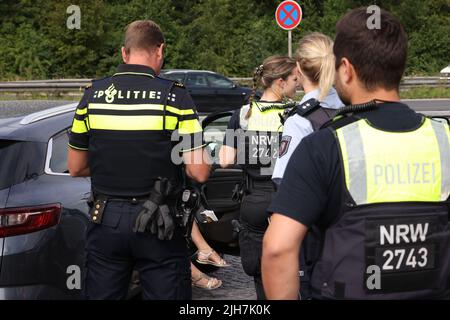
(178, 84)
(284, 145)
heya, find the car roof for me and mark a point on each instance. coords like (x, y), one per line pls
(38, 126)
(446, 70)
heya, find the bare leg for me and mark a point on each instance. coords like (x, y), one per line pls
(201, 280)
(198, 239)
(205, 252)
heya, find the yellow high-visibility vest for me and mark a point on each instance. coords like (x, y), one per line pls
(267, 121)
(381, 166)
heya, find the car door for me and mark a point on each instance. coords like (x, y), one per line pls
(227, 94)
(3, 198)
(220, 187)
(197, 85)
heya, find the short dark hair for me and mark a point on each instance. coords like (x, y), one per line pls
(378, 55)
(143, 34)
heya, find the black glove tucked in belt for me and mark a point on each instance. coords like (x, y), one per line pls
(156, 216)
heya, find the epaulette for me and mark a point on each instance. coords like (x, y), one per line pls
(302, 110)
(308, 107)
(179, 84)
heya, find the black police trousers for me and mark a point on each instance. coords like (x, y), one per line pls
(253, 218)
(113, 251)
(254, 222)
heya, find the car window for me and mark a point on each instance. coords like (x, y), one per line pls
(179, 77)
(216, 81)
(20, 161)
(196, 80)
(214, 133)
(58, 160)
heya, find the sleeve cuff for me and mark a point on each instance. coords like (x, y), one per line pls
(77, 148)
(192, 149)
(293, 214)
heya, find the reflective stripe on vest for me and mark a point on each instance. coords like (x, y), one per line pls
(385, 166)
(138, 122)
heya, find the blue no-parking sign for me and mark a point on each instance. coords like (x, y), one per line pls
(288, 15)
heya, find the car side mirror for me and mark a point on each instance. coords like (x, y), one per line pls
(213, 148)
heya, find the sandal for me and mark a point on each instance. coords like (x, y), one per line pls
(206, 258)
(211, 284)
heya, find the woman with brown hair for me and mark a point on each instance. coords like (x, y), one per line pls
(260, 128)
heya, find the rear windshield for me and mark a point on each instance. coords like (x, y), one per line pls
(20, 161)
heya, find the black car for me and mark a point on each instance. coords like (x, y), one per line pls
(44, 215)
(210, 91)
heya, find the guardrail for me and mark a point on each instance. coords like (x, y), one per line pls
(407, 82)
(65, 85)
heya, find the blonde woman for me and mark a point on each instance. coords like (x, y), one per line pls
(316, 65)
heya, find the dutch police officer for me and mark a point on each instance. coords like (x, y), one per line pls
(121, 137)
(376, 183)
(252, 141)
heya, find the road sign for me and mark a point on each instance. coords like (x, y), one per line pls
(288, 15)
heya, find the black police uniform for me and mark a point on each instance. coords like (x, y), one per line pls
(257, 142)
(125, 123)
(313, 192)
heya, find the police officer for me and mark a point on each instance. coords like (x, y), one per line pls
(121, 137)
(315, 63)
(255, 146)
(377, 183)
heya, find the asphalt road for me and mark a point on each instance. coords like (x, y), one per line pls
(236, 285)
(433, 107)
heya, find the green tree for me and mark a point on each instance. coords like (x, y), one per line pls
(228, 36)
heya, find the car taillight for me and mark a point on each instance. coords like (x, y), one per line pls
(16, 221)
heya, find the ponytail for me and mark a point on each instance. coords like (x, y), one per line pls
(256, 78)
(317, 62)
(327, 74)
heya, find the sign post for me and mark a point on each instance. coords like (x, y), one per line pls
(290, 43)
(288, 16)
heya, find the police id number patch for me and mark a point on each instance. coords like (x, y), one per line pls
(404, 250)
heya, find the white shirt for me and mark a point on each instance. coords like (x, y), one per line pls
(296, 128)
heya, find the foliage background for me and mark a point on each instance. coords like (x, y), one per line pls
(227, 36)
